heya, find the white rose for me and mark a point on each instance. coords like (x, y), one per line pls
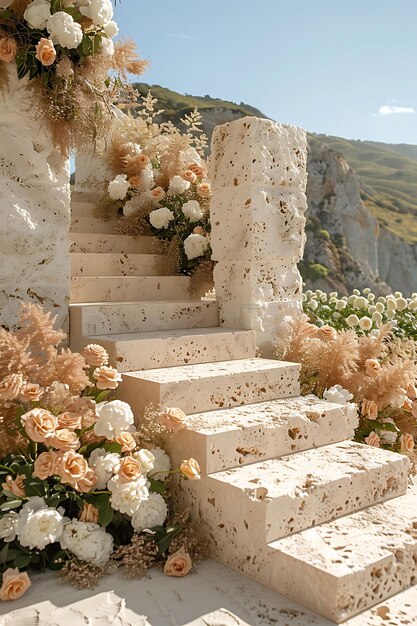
(99, 11)
(127, 497)
(177, 186)
(87, 541)
(337, 394)
(146, 459)
(38, 525)
(118, 187)
(113, 418)
(152, 512)
(8, 526)
(107, 49)
(161, 464)
(195, 246)
(192, 210)
(111, 29)
(160, 218)
(104, 464)
(37, 13)
(64, 30)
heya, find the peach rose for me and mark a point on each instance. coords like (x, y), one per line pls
(173, 419)
(326, 333)
(89, 514)
(157, 194)
(373, 440)
(30, 392)
(107, 377)
(88, 483)
(44, 465)
(71, 467)
(189, 176)
(369, 409)
(142, 159)
(127, 442)
(15, 485)
(64, 440)
(191, 469)
(11, 386)
(95, 355)
(310, 331)
(8, 49)
(204, 190)
(372, 367)
(407, 443)
(198, 230)
(130, 469)
(178, 564)
(45, 52)
(198, 170)
(39, 424)
(134, 181)
(69, 420)
(15, 584)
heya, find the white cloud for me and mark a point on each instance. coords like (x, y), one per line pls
(389, 109)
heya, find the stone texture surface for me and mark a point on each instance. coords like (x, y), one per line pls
(204, 387)
(96, 225)
(168, 348)
(127, 288)
(122, 244)
(90, 264)
(243, 435)
(258, 173)
(34, 209)
(131, 317)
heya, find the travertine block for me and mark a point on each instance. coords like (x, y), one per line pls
(210, 386)
(96, 263)
(128, 288)
(95, 225)
(243, 282)
(122, 244)
(111, 318)
(240, 436)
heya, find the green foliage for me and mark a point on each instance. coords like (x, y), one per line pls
(313, 271)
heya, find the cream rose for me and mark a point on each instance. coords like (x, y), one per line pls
(95, 355)
(71, 467)
(107, 377)
(369, 409)
(407, 443)
(127, 441)
(88, 483)
(89, 514)
(15, 485)
(204, 190)
(64, 440)
(190, 469)
(69, 420)
(156, 194)
(11, 386)
(127, 496)
(178, 564)
(44, 465)
(130, 469)
(373, 440)
(146, 459)
(173, 419)
(326, 333)
(198, 170)
(14, 585)
(189, 175)
(372, 367)
(39, 424)
(45, 52)
(30, 392)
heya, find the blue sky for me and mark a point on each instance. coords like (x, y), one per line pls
(340, 67)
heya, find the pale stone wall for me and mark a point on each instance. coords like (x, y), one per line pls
(258, 175)
(34, 209)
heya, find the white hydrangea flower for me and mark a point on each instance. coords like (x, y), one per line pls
(114, 418)
(111, 29)
(391, 303)
(313, 305)
(161, 464)
(371, 310)
(107, 49)
(64, 30)
(177, 186)
(377, 317)
(192, 210)
(337, 394)
(118, 187)
(351, 300)
(37, 13)
(401, 304)
(38, 525)
(146, 459)
(340, 305)
(127, 497)
(8, 526)
(360, 302)
(152, 512)
(380, 307)
(104, 464)
(99, 11)
(365, 323)
(87, 541)
(160, 218)
(195, 246)
(352, 320)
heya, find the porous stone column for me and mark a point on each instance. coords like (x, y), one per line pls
(258, 175)
(34, 208)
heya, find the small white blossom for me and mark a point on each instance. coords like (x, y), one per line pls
(118, 187)
(313, 305)
(380, 307)
(337, 394)
(352, 320)
(377, 317)
(360, 302)
(401, 304)
(365, 323)
(177, 186)
(151, 512)
(107, 49)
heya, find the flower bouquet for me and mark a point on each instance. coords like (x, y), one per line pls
(161, 183)
(82, 491)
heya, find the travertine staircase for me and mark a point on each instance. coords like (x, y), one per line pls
(285, 496)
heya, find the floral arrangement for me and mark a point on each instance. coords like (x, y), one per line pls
(161, 184)
(82, 491)
(370, 367)
(66, 49)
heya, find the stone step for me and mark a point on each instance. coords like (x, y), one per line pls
(111, 318)
(346, 566)
(91, 224)
(96, 263)
(84, 197)
(242, 435)
(127, 288)
(167, 348)
(120, 244)
(204, 387)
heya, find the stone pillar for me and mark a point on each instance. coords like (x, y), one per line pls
(34, 208)
(258, 175)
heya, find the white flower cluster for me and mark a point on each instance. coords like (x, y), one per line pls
(114, 418)
(196, 245)
(35, 526)
(87, 541)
